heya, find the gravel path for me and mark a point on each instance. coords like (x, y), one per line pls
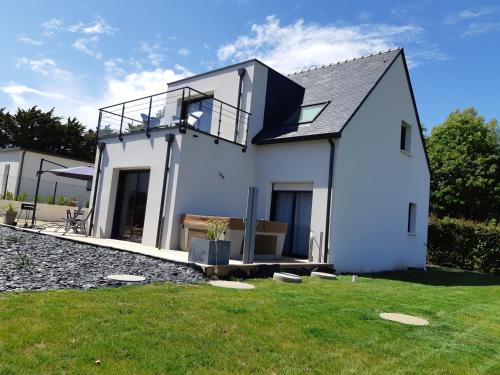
(30, 261)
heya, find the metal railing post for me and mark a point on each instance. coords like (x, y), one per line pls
(220, 120)
(149, 116)
(121, 123)
(98, 128)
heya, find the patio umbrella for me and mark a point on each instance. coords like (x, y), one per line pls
(78, 173)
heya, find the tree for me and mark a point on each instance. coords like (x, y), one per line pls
(464, 155)
(43, 131)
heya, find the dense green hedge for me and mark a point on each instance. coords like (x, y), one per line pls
(464, 244)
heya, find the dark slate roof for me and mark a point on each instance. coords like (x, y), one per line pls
(344, 85)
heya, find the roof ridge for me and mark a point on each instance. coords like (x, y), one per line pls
(314, 67)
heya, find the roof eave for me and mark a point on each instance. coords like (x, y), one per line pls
(300, 138)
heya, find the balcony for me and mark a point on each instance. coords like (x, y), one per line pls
(183, 108)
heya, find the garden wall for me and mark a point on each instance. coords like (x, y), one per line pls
(45, 212)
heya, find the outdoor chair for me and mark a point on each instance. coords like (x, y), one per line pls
(77, 225)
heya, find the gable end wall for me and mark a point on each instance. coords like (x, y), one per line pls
(374, 183)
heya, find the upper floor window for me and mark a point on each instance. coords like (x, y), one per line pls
(405, 141)
(306, 114)
(198, 112)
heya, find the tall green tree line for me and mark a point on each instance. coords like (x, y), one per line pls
(44, 131)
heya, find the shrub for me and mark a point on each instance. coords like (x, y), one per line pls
(215, 229)
(465, 244)
(49, 199)
(8, 196)
(22, 197)
(87, 204)
(61, 200)
(10, 207)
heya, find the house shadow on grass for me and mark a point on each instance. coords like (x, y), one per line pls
(440, 277)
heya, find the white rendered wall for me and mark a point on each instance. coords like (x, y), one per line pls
(135, 152)
(374, 182)
(296, 162)
(13, 159)
(213, 179)
(67, 187)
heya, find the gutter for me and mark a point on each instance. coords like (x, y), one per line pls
(159, 232)
(329, 201)
(19, 174)
(241, 73)
(100, 147)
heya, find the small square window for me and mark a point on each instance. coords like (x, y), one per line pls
(412, 218)
(405, 141)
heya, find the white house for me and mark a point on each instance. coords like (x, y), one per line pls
(18, 175)
(337, 152)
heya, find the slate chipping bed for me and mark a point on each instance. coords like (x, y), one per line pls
(31, 261)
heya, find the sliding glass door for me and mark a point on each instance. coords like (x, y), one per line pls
(130, 208)
(294, 208)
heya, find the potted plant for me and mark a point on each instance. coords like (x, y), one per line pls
(211, 250)
(10, 214)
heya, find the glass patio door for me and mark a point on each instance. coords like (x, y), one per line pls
(130, 208)
(294, 208)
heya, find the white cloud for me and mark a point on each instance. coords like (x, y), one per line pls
(116, 67)
(97, 26)
(28, 40)
(88, 46)
(51, 26)
(468, 14)
(480, 28)
(183, 52)
(292, 47)
(74, 100)
(151, 50)
(44, 66)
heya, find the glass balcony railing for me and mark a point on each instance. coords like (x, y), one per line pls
(185, 108)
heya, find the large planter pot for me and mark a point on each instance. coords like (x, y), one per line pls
(209, 252)
(10, 217)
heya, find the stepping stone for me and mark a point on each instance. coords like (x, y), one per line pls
(126, 278)
(404, 319)
(324, 275)
(287, 277)
(230, 284)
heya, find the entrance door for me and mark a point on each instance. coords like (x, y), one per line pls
(294, 208)
(130, 207)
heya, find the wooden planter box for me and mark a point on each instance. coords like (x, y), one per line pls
(209, 252)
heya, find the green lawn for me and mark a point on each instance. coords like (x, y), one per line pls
(314, 327)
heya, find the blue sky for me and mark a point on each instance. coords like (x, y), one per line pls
(79, 55)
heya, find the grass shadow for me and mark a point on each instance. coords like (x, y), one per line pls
(440, 277)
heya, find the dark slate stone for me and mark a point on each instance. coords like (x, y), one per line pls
(54, 263)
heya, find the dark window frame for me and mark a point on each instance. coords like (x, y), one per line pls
(405, 137)
(272, 215)
(412, 218)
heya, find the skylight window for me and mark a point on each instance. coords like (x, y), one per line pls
(306, 114)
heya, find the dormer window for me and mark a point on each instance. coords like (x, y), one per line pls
(306, 114)
(405, 140)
